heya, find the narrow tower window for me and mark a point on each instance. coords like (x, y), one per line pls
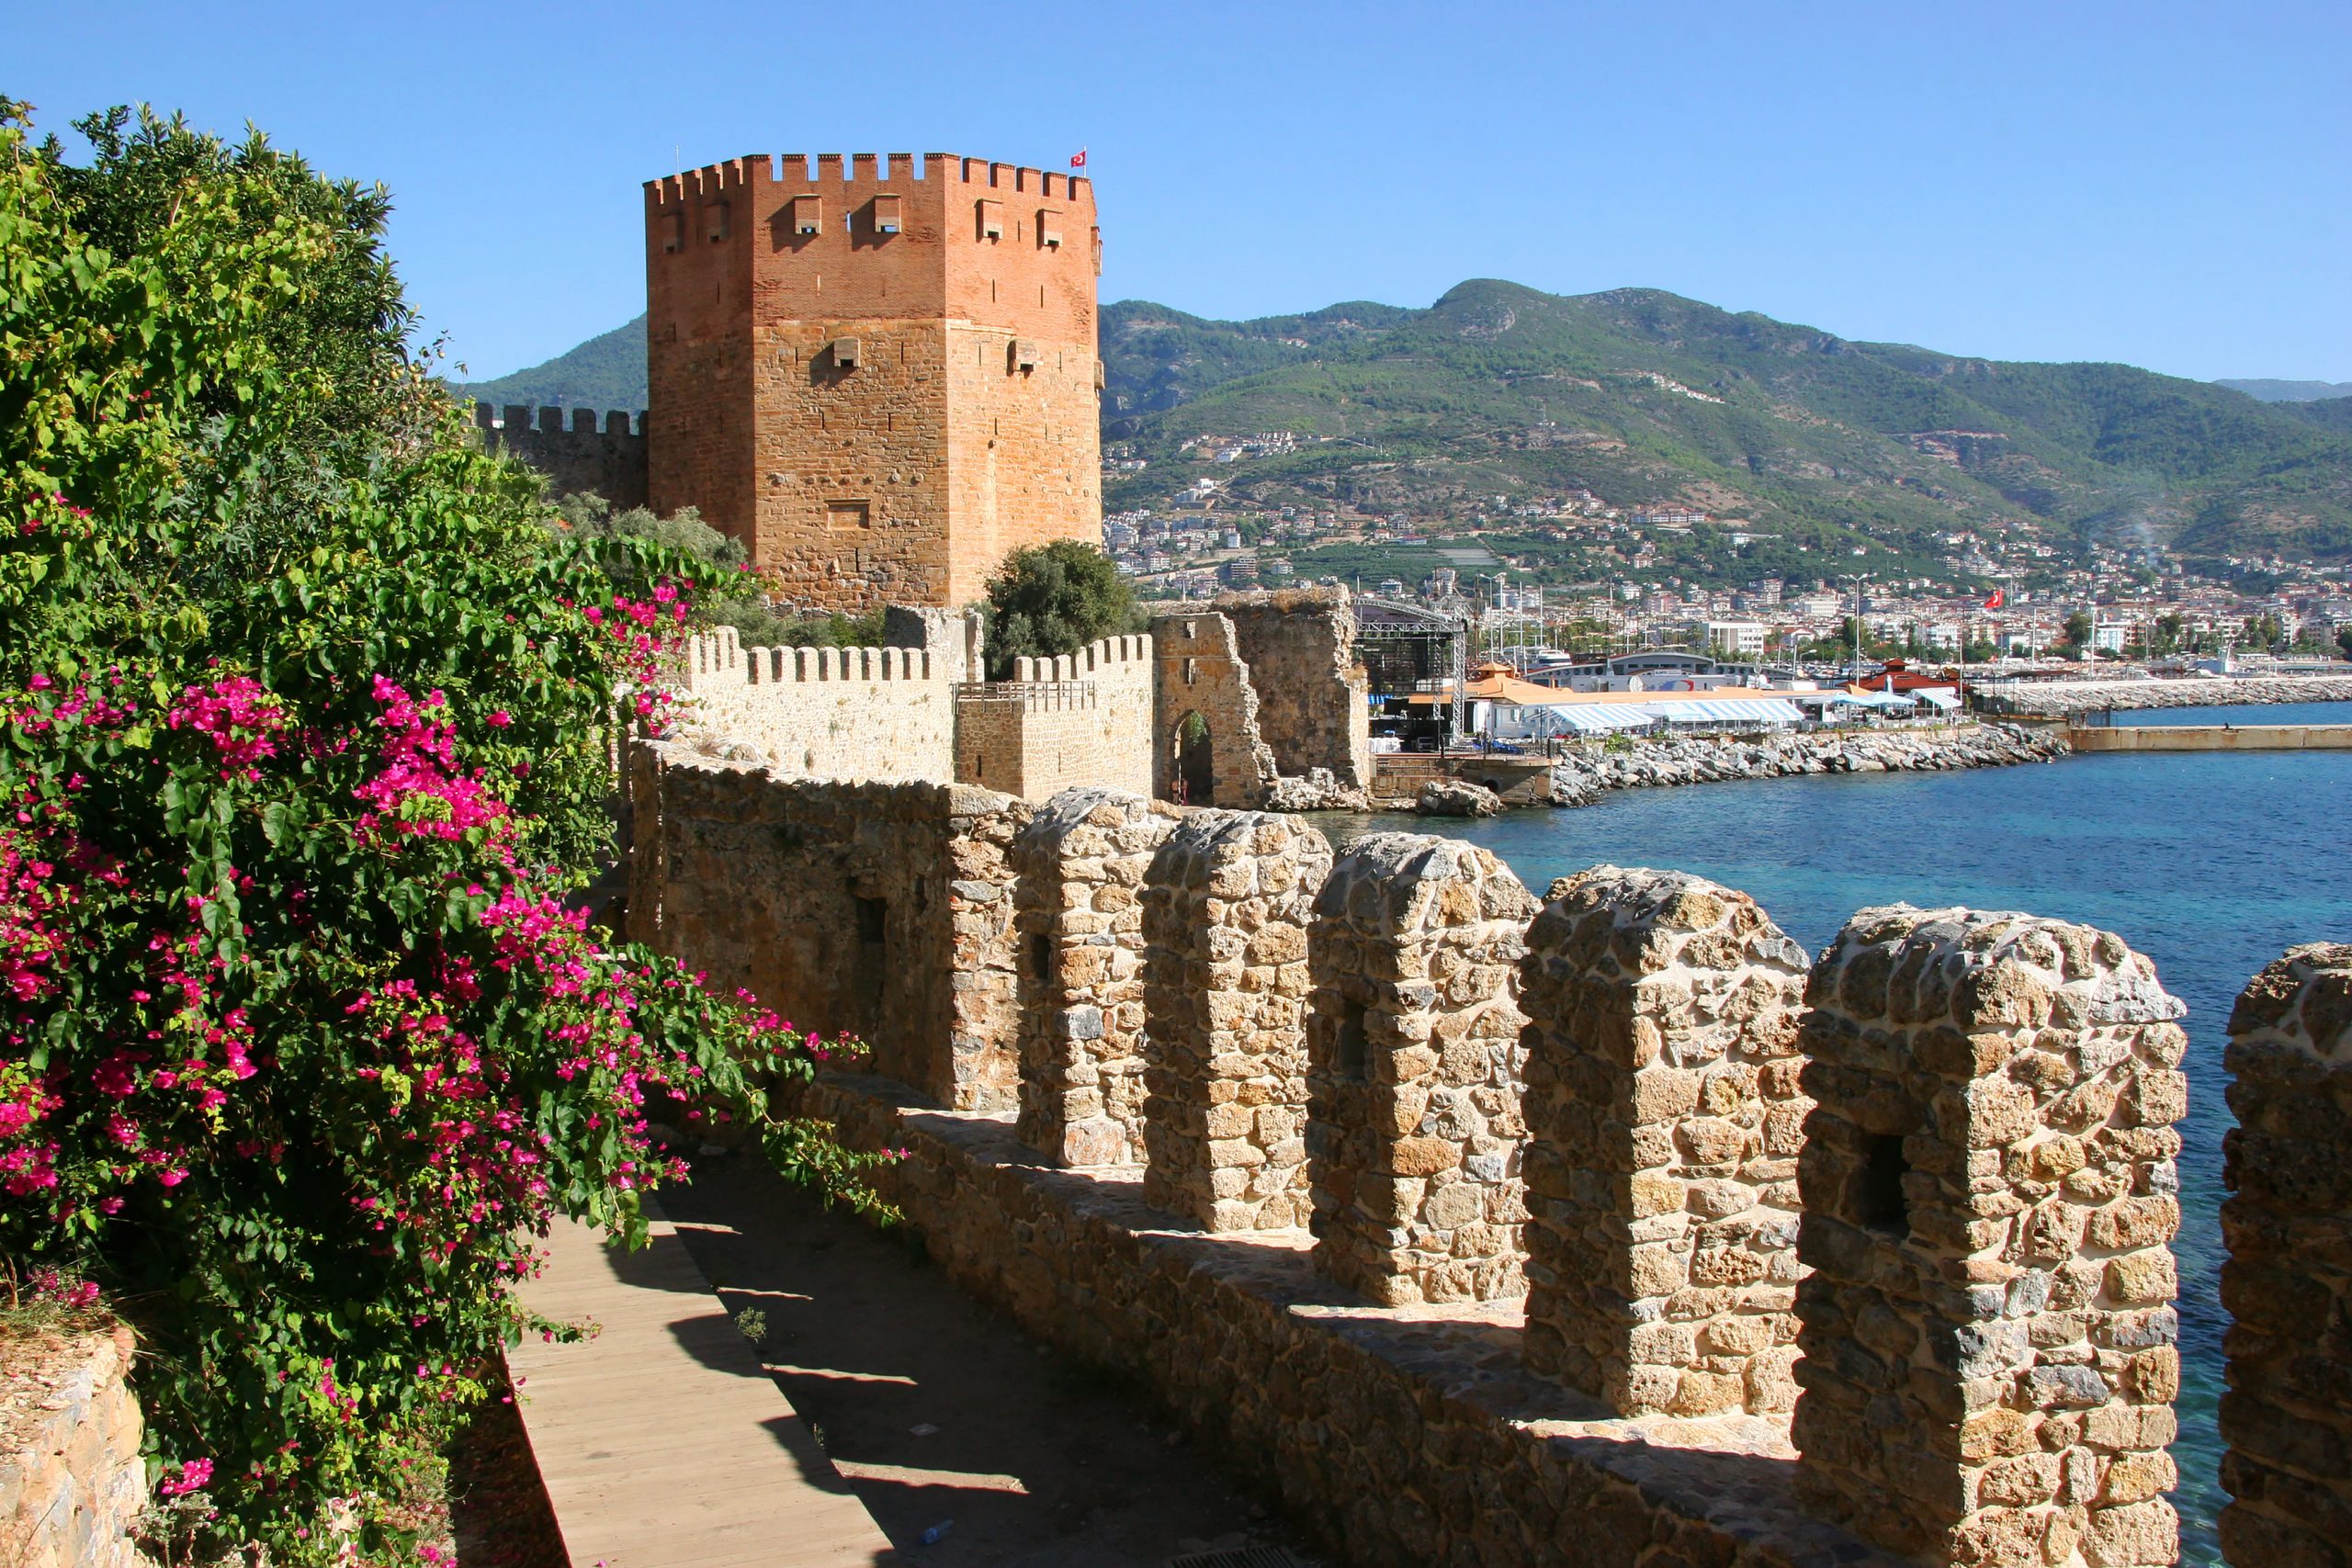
(886, 214)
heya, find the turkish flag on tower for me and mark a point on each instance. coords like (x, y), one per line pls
(1994, 601)
(1078, 160)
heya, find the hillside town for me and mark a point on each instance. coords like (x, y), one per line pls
(2016, 596)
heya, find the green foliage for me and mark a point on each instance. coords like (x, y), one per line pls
(305, 719)
(2344, 641)
(1054, 599)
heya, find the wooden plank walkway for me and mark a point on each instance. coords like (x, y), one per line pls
(662, 1442)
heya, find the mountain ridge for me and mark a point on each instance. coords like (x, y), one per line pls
(1643, 396)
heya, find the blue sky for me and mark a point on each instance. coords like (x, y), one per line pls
(2160, 184)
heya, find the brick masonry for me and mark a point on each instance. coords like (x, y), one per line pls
(2288, 1282)
(1989, 1342)
(1225, 908)
(1080, 865)
(1413, 1052)
(883, 379)
(1664, 1104)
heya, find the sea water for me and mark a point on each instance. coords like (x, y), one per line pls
(2211, 864)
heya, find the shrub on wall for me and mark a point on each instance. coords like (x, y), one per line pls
(1053, 599)
(305, 741)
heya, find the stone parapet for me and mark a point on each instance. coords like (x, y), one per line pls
(1226, 910)
(1413, 1075)
(72, 1482)
(882, 910)
(2288, 1283)
(882, 714)
(1398, 1436)
(1988, 1336)
(1665, 1118)
(1078, 917)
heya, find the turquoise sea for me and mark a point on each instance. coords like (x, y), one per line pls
(2210, 865)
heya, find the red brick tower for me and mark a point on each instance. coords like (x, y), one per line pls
(882, 383)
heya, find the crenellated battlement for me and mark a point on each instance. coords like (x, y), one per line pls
(1099, 660)
(602, 453)
(1860, 1259)
(868, 172)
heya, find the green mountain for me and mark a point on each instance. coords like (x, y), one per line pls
(605, 372)
(1498, 394)
(2289, 391)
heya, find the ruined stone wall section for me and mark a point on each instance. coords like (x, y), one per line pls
(601, 454)
(1079, 922)
(1082, 719)
(2288, 1281)
(1665, 1118)
(1312, 710)
(882, 910)
(72, 1482)
(1201, 671)
(1226, 910)
(1413, 1051)
(1988, 1335)
(829, 713)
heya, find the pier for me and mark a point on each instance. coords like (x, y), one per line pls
(2211, 738)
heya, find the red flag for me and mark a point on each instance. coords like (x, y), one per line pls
(1994, 601)
(1078, 159)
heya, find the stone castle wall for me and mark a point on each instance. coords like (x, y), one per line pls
(599, 455)
(1988, 1338)
(1975, 1329)
(881, 911)
(1082, 719)
(1201, 671)
(1225, 908)
(1414, 1054)
(2288, 1283)
(1078, 918)
(1312, 708)
(834, 712)
(1666, 1114)
(72, 1482)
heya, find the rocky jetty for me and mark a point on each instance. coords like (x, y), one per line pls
(1456, 797)
(1582, 777)
(2055, 699)
(1319, 790)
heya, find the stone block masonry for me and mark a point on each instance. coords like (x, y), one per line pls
(1226, 910)
(1988, 1336)
(1413, 1049)
(1664, 1106)
(830, 713)
(1300, 649)
(72, 1482)
(884, 911)
(601, 456)
(1202, 676)
(2288, 1283)
(1080, 865)
(1400, 1436)
(1082, 719)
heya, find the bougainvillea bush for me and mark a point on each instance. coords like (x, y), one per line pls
(306, 722)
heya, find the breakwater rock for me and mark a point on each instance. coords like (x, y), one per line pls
(1582, 777)
(1456, 797)
(2055, 699)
